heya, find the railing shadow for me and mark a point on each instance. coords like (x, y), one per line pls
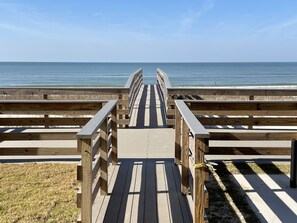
(268, 192)
(156, 198)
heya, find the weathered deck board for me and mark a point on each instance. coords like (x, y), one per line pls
(148, 111)
(144, 190)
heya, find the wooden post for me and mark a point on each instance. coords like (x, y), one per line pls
(251, 98)
(185, 159)
(45, 97)
(293, 171)
(114, 139)
(104, 158)
(199, 178)
(86, 185)
(177, 137)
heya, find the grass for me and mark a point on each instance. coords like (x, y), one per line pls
(37, 192)
(227, 201)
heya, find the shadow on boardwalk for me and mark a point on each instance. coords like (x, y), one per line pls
(147, 190)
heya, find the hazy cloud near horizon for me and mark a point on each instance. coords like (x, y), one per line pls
(207, 30)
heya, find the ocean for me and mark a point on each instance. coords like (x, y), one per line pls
(27, 74)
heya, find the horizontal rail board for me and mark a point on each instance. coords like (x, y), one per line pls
(94, 124)
(249, 121)
(242, 105)
(63, 91)
(194, 125)
(229, 134)
(38, 136)
(49, 105)
(42, 121)
(232, 91)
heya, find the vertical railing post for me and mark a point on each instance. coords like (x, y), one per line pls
(251, 98)
(185, 159)
(45, 97)
(293, 171)
(199, 178)
(86, 185)
(104, 158)
(177, 137)
(114, 135)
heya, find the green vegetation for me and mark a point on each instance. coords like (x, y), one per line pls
(37, 192)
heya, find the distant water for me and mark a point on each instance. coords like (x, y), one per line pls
(116, 74)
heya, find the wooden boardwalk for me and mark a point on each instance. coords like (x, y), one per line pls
(143, 190)
(145, 185)
(148, 110)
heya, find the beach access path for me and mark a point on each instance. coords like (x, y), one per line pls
(145, 185)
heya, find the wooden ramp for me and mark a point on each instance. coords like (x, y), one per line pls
(148, 110)
(143, 190)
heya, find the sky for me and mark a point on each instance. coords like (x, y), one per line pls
(148, 31)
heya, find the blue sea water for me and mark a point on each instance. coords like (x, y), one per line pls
(116, 74)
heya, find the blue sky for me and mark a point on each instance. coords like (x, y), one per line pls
(148, 31)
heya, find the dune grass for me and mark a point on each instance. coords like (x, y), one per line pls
(38, 192)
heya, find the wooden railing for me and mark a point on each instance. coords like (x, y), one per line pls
(272, 123)
(125, 95)
(97, 141)
(134, 84)
(22, 125)
(191, 143)
(228, 124)
(170, 93)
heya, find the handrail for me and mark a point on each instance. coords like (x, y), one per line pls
(94, 124)
(132, 77)
(95, 147)
(191, 156)
(196, 128)
(164, 85)
(134, 83)
(165, 78)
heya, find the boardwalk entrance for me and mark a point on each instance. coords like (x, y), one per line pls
(145, 185)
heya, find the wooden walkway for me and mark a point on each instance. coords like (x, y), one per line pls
(148, 111)
(143, 190)
(145, 185)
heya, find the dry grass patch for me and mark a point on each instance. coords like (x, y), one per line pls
(227, 201)
(38, 192)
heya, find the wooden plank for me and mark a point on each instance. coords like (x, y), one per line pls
(86, 184)
(118, 193)
(12, 151)
(64, 91)
(38, 136)
(269, 121)
(164, 214)
(198, 195)
(150, 205)
(256, 91)
(176, 202)
(245, 112)
(138, 204)
(48, 105)
(177, 137)
(242, 105)
(249, 151)
(252, 135)
(114, 139)
(63, 121)
(185, 158)
(103, 157)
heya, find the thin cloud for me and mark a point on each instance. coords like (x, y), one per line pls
(187, 22)
(278, 27)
